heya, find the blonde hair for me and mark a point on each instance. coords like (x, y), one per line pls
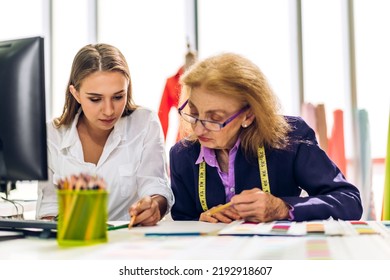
(235, 76)
(88, 60)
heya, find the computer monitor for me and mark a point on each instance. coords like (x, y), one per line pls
(23, 150)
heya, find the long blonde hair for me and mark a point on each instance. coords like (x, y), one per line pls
(88, 60)
(233, 75)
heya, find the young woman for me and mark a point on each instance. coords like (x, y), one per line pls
(102, 132)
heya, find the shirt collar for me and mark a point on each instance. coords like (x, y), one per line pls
(208, 155)
(71, 135)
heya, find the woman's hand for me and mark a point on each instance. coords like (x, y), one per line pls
(225, 216)
(257, 206)
(147, 211)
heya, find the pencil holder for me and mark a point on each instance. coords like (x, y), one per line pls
(82, 217)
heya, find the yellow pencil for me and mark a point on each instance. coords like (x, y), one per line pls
(132, 221)
(218, 209)
(133, 217)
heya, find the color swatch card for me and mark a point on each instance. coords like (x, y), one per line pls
(362, 228)
(288, 228)
(280, 228)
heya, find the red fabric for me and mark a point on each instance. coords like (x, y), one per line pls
(336, 147)
(169, 99)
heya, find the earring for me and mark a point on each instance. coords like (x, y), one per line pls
(244, 125)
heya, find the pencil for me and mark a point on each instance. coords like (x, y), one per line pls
(134, 216)
(218, 209)
(112, 227)
(132, 221)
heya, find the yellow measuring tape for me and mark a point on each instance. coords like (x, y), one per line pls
(263, 169)
(202, 185)
(263, 177)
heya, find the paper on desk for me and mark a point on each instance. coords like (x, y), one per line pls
(281, 228)
(179, 228)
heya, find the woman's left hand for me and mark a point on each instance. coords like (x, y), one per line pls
(257, 206)
(225, 216)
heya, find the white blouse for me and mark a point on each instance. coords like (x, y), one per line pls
(133, 163)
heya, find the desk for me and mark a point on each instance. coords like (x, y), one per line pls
(127, 244)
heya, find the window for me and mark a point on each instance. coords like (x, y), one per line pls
(259, 30)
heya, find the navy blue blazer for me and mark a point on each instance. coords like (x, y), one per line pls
(303, 165)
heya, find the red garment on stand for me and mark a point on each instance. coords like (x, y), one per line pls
(336, 147)
(169, 99)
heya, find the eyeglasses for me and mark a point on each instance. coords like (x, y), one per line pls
(210, 125)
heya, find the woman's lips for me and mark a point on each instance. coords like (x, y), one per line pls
(204, 139)
(108, 121)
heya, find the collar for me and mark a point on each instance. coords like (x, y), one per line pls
(208, 155)
(71, 136)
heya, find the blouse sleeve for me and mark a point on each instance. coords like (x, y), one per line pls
(47, 198)
(152, 176)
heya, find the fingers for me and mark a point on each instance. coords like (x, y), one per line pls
(145, 212)
(247, 196)
(257, 206)
(204, 217)
(225, 216)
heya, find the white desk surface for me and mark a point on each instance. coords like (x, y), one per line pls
(133, 244)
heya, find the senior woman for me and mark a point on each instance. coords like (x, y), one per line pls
(240, 150)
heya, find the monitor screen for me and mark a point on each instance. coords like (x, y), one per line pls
(23, 151)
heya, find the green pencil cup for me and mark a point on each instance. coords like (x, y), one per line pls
(82, 218)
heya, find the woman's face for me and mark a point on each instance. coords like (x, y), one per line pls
(216, 107)
(103, 97)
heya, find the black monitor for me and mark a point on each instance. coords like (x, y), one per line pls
(23, 150)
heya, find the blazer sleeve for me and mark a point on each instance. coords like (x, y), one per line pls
(182, 187)
(330, 195)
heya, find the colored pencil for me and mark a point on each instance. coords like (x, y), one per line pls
(218, 209)
(112, 227)
(132, 221)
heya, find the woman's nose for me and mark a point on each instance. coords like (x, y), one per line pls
(198, 128)
(108, 108)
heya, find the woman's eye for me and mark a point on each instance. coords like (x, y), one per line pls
(94, 99)
(118, 97)
(216, 118)
(194, 114)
